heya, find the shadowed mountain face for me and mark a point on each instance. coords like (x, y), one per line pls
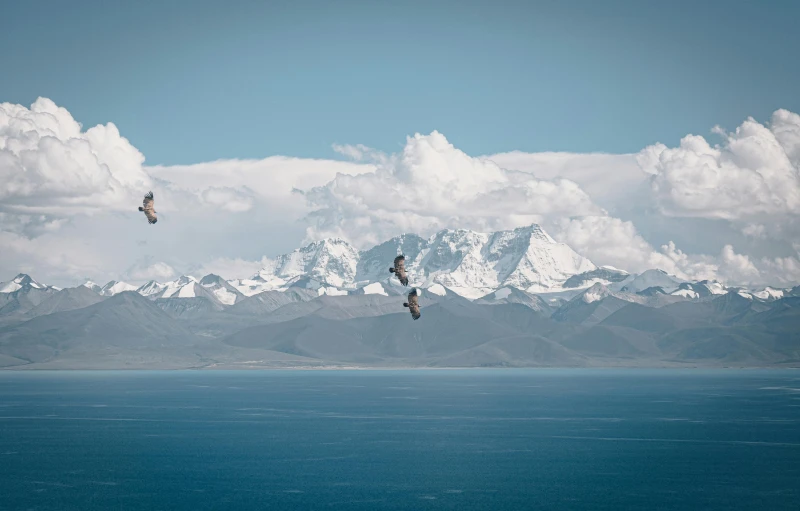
(126, 324)
(26, 295)
(78, 328)
(65, 300)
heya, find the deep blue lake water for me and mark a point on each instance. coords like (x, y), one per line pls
(368, 440)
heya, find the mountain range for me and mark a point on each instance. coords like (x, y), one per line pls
(508, 298)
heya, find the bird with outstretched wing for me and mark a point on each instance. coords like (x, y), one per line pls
(413, 304)
(147, 206)
(399, 269)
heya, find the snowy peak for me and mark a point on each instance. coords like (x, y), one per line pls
(93, 286)
(182, 287)
(115, 287)
(332, 262)
(223, 292)
(373, 264)
(21, 281)
(529, 259)
(151, 288)
(211, 287)
(595, 293)
(769, 294)
(650, 278)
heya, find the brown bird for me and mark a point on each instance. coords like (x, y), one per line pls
(413, 304)
(400, 269)
(149, 212)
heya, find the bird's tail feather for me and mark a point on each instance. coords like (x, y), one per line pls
(405, 305)
(391, 270)
(141, 208)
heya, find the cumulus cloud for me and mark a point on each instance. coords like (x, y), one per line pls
(753, 172)
(614, 242)
(432, 185)
(49, 166)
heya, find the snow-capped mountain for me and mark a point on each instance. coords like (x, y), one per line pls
(212, 287)
(21, 281)
(470, 263)
(115, 287)
(769, 294)
(93, 286)
(21, 294)
(151, 288)
(328, 263)
(223, 292)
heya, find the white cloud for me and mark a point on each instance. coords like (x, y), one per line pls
(611, 241)
(159, 271)
(239, 184)
(757, 231)
(49, 255)
(227, 198)
(432, 185)
(754, 172)
(230, 268)
(49, 166)
(607, 178)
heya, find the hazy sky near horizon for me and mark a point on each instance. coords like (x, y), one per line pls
(595, 119)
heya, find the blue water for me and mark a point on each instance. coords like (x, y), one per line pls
(368, 440)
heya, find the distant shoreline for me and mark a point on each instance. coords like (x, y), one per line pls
(398, 368)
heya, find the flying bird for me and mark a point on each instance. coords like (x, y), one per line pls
(399, 269)
(413, 304)
(149, 212)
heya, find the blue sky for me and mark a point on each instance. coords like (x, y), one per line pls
(188, 82)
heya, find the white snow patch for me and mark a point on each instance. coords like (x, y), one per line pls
(17, 284)
(592, 296)
(10, 287)
(187, 291)
(114, 287)
(375, 289)
(686, 293)
(331, 291)
(716, 288)
(224, 296)
(744, 294)
(502, 294)
(768, 293)
(151, 288)
(438, 289)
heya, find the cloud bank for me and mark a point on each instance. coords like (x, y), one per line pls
(68, 200)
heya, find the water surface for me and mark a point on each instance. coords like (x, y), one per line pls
(416, 439)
